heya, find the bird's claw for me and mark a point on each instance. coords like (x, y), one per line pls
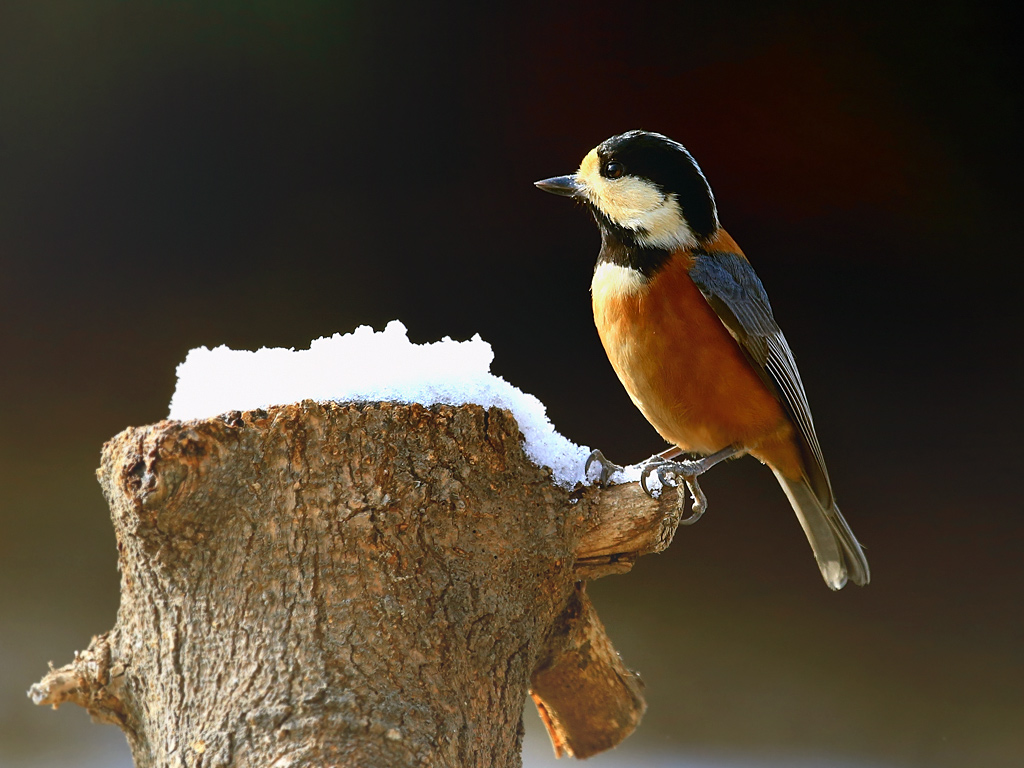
(608, 468)
(700, 502)
(669, 473)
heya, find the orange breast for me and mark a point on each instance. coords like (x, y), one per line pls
(679, 364)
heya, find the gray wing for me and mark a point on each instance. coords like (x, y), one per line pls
(734, 291)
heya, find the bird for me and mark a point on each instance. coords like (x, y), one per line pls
(687, 326)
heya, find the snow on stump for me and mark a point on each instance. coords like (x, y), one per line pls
(357, 584)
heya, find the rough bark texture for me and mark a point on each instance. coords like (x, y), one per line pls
(355, 585)
(582, 668)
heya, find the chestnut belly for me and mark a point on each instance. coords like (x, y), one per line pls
(679, 364)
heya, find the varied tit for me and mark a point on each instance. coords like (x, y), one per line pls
(688, 329)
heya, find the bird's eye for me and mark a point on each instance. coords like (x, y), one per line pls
(613, 169)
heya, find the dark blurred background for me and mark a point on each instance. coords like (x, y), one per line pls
(176, 174)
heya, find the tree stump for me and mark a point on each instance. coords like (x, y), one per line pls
(359, 584)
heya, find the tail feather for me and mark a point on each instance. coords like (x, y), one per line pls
(836, 549)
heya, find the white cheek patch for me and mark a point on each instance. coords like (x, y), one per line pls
(665, 227)
(637, 205)
(627, 200)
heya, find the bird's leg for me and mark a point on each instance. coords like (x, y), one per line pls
(608, 468)
(670, 471)
(687, 468)
(668, 453)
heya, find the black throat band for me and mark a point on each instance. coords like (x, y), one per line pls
(621, 246)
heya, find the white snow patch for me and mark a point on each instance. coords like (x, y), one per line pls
(370, 366)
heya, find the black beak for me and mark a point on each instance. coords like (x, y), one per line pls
(567, 186)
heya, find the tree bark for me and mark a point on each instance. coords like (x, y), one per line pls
(356, 585)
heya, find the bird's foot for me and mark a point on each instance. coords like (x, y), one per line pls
(608, 468)
(669, 474)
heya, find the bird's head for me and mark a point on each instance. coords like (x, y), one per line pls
(646, 189)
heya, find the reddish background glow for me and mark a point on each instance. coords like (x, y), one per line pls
(178, 174)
